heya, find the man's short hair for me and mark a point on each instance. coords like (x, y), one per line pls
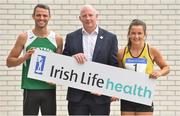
(41, 6)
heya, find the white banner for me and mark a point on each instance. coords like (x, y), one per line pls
(91, 76)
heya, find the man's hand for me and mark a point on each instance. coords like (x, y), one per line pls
(97, 94)
(80, 58)
(114, 99)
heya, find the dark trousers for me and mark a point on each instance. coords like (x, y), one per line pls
(88, 106)
(43, 99)
(128, 106)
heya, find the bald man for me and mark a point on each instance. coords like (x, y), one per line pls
(90, 43)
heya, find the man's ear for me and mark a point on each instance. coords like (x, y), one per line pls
(80, 18)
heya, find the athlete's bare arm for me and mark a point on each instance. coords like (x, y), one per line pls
(120, 57)
(59, 42)
(13, 58)
(160, 61)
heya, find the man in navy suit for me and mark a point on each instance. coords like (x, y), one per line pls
(90, 43)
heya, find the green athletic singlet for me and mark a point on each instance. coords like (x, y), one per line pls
(46, 44)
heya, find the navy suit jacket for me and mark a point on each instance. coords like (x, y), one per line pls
(105, 52)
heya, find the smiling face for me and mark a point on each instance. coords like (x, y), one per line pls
(88, 17)
(137, 35)
(41, 17)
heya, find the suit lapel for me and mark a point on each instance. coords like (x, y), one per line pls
(78, 41)
(99, 43)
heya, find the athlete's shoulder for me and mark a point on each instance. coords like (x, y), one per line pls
(22, 37)
(121, 53)
(154, 52)
(58, 36)
(59, 39)
(122, 50)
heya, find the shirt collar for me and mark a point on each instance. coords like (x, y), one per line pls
(94, 32)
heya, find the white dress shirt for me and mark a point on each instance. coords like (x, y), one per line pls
(89, 42)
